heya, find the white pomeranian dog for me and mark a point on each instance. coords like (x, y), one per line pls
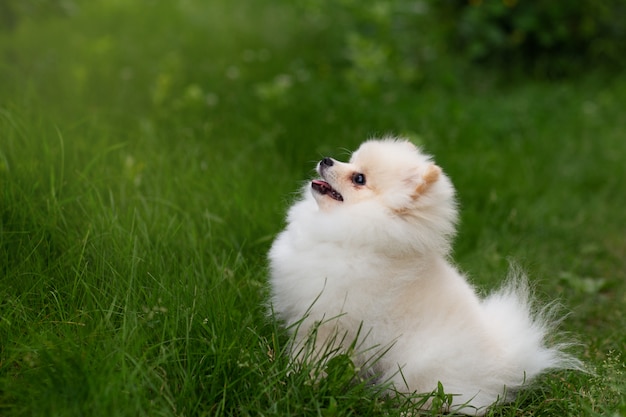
(365, 255)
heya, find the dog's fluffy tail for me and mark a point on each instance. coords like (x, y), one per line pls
(527, 333)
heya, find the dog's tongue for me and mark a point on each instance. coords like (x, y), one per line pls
(323, 187)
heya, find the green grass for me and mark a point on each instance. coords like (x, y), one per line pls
(148, 152)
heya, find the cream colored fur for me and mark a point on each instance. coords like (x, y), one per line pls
(378, 261)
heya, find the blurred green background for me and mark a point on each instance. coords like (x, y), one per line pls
(150, 148)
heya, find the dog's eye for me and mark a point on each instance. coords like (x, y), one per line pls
(358, 179)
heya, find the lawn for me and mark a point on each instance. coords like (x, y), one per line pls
(149, 150)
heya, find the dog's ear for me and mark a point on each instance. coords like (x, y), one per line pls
(430, 176)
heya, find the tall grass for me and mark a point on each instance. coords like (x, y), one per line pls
(148, 152)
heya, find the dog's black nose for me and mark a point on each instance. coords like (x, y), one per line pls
(327, 161)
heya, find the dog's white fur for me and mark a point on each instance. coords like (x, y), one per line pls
(376, 266)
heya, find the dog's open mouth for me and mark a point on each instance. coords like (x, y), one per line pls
(324, 188)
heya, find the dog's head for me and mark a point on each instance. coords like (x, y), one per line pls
(389, 194)
(390, 171)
